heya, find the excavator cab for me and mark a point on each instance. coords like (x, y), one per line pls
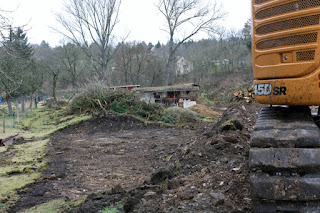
(284, 157)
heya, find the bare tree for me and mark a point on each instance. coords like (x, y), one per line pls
(90, 25)
(131, 60)
(50, 62)
(73, 65)
(187, 17)
(4, 23)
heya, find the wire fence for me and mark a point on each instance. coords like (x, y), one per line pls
(19, 108)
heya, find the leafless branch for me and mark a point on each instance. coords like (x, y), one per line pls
(90, 24)
(190, 17)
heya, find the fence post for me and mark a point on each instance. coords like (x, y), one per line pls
(3, 121)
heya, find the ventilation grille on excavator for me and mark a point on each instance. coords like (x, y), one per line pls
(306, 55)
(289, 24)
(287, 8)
(287, 41)
(261, 1)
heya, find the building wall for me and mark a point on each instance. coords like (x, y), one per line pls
(184, 101)
(183, 66)
(188, 103)
(148, 98)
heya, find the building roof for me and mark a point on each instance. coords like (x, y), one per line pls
(178, 87)
(124, 86)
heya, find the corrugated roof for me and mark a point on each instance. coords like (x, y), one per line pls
(178, 87)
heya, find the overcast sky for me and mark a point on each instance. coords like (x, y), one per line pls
(139, 18)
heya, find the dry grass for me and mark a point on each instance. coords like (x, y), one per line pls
(205, 111)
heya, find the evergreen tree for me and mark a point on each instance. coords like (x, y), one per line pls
(246, 33)
(158, 45)
(17, 65)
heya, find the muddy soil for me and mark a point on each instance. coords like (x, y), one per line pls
(121, 162)
(215, 175)
(98, 154)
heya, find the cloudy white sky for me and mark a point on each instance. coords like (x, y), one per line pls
(139, 17)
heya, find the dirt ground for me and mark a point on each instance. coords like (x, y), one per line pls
(121, 162)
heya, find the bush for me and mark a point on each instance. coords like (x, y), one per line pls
(118, 106)
(170, 118)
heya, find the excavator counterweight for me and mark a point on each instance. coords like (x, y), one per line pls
(285, 143)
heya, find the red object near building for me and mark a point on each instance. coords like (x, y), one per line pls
(126, 87)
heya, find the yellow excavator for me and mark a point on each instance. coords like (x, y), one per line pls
(285, 143)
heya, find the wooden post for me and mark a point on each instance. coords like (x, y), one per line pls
(3, 121)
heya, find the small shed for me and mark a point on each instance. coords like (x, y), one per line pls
(182, 95)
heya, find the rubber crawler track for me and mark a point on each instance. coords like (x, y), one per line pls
(285, 161)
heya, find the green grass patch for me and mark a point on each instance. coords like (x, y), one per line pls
(14, 172)
(50, 207)
(11, 122)
(22, 164)
(7, 170)
(42, 122)
(55, 206)
(110, 210)
(3, 149)
(9, 184)
(117, 209)
(29, 152)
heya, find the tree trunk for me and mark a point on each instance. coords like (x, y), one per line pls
(22, 105)
(18, 111)
(103, 72)
(9, 105)
(54, 87)
(105, 76)
(74, 85)
(169, 64)
(74, 79)
(30, 106)
(126, 77)
(170, 59)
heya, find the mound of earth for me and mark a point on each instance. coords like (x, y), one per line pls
(214, 173)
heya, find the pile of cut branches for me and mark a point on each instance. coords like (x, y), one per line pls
(100, 99)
